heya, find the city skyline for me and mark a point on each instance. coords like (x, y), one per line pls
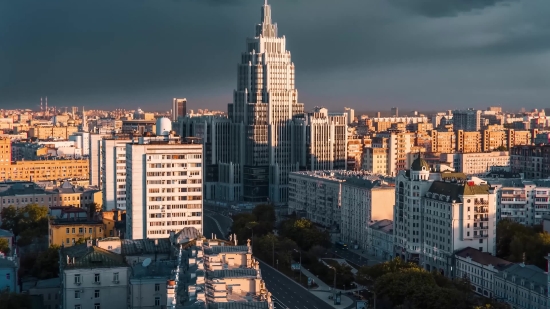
(365, 56)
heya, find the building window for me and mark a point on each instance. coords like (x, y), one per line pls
(115, 277)
(96, 293)
(77, 294)
(67, 230)
(157, 301)
(80, 230)
(74, 230)
(67, 240)
(157, 287)
(96, 278)
(77, 307)
(77, 279)
(90, 230)
(97, 306)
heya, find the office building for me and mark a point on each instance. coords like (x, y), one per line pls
(163, 184)
(179, 108)
(395, 112)
(467, 120)
(264, 105)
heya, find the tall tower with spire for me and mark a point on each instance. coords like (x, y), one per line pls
(84, 121)
(265, 103)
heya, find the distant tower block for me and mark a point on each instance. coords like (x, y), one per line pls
(179, 108)
(394, 112)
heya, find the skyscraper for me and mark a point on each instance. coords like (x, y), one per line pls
(262, 116)
(179, 108)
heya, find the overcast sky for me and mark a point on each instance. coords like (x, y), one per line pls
(366, 54)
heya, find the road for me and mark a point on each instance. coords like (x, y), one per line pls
(210, 225)
(288, 294)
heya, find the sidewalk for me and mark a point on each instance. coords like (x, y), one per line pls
(323, 291)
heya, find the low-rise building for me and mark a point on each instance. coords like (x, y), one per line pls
(8, 274)
(67, 231)
(380, 239)
(522, 286)
(93, 278)
(48, 291)
(480, 268)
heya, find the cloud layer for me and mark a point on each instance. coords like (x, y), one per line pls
(362, 53)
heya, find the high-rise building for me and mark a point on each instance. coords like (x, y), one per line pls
(262, 113)
(179, 108)
(467, 120)
(164, 186)
(395, 112)
(113, 169)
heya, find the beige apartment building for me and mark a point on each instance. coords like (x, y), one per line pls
(468, 141)
(38, 170)
(443, 142)
(375, 160)
(48, 131)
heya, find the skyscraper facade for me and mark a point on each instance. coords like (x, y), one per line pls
(179, 108)
(263, 112)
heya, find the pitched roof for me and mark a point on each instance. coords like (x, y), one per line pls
(5, 233)
(419, 163)
(90, 257)
(530, 273)
(483, 258)
(454, 190)
(144, 246)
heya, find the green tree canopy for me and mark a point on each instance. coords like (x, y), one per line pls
(4, 246)
(28, 222)
(14, 301)
(304, 233)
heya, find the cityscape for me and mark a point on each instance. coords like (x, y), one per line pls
(272, 203)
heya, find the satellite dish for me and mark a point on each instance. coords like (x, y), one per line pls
(146, 262)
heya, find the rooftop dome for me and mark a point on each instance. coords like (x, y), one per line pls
(418, 165)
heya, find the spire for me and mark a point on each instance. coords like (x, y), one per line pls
(266, 28)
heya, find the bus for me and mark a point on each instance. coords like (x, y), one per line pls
(341, 245)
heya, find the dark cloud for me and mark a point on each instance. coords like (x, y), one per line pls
(446, 8)
(363, 53)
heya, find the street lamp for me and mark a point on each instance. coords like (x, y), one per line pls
(334, 268)
(300, 264)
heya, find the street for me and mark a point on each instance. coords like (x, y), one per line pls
(289, 294)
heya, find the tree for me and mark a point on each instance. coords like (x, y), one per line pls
(93, 209)
(264, 213)
(14, 300)
(367, 273)
(47, 263)
(304, 233)
(501, 148)
(4, 246)
(239, 226)
(31, 220)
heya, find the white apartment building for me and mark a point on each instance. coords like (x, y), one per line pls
(93, 278)
(325, 139)
(480, 268)
(398, 146)
(164, 186)
(113, 171)
(344, 201)
(439, 213)
(82, 141)
(316, 196)
(476, 163)
(520, 200)
(380, 239)
(95, 159)
(364, 199)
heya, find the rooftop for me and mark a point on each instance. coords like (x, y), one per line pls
(159, 269)
(141, 246)
(225, 249)
(530, 273)
(483, 258)
(21, 188)
(231, 273)
(86, 256)
(6, 263)
(5, 233)
(455, 190)
(361, 178)
(384, 225)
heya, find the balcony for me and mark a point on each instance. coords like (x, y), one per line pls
(481, 236)
(481, 209)
(481, 203)
(481, 228)
(480, 219)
